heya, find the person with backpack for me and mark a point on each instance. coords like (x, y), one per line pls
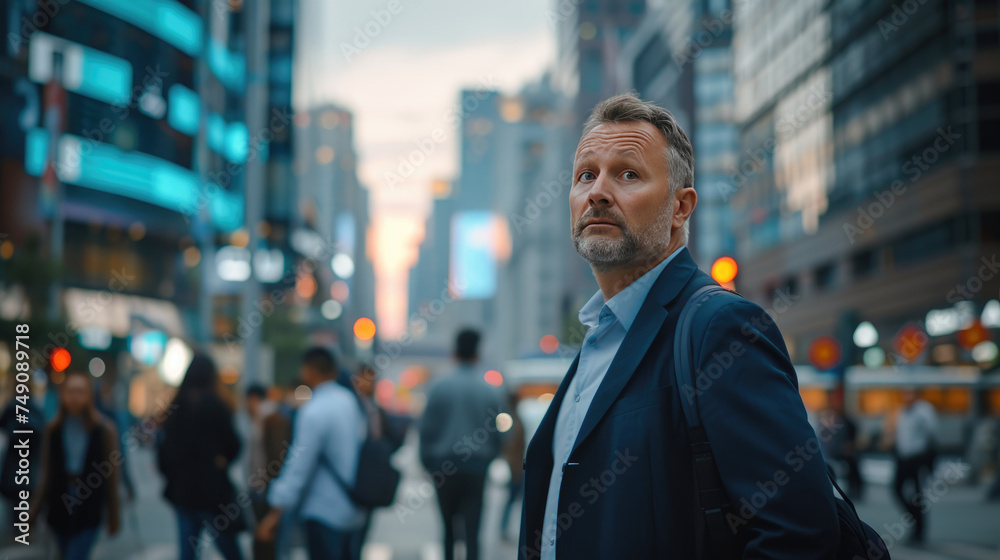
(638, 456)
(321, 467)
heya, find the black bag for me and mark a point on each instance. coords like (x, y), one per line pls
(376, 481)
(858, 541)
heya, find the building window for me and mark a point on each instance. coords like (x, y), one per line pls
(825, 276)
(863, 263)
(790, 287)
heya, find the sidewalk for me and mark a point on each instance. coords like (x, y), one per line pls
(961, 524)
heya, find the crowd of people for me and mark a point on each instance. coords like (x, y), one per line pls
(302, 461)
(302, 456)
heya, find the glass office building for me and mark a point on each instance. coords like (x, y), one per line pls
(867, 145)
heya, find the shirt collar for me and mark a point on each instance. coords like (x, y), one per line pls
(625, 304)
(325, 386)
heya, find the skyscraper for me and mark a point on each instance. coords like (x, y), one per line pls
(681, 58)
(333, 209)
(590, 34)
(867, 143)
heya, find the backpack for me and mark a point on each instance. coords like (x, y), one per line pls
(858, 541)
(376, 480)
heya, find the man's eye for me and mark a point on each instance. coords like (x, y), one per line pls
(587, 176)
(630, 175)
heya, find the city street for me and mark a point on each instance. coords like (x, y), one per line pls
(962, 526)
(148, 526)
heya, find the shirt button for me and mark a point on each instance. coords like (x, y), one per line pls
(552, 541)
(592, 341)
(578, 398)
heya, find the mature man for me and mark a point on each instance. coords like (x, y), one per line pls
(328, 432)
(609, 472)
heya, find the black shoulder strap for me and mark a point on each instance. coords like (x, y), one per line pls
(712, 497)
(711, 493)
(325, 464)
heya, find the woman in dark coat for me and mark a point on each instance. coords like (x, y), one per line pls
(80, 470)
(198, 445)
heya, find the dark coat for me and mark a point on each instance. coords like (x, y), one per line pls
(79, 501)
(199, 444)
(628, 487)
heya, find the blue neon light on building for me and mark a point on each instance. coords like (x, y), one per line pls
(184, 109)
(105, 77)
(181, 27)
(166, 19)
(104, 167)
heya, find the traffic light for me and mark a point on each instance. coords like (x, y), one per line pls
(59, 359)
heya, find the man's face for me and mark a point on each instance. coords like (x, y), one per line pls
(620, 203)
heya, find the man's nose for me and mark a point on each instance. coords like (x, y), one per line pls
(600, 192)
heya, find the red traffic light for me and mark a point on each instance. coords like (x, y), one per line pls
(824, 352)
(60, 359)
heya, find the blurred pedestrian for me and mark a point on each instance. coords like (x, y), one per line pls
(328, 433)
(513, 453)
(105, 402)
(277, 444)
(915, 429)
(198, 447)
(839, 437)
(458, 441)
(80, 470)
(258, 409)
(363, 383)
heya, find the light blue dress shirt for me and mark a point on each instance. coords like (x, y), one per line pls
(331, 423)
(607, 324)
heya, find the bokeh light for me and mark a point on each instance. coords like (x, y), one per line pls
(493, 377)
(724, 270)
(549, 343)
(60, 359)
(504, 422)
(339, 291)
(364, 328)
(384, 390)
(96, 367)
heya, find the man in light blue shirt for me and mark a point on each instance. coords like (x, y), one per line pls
(607, 324)
(609, 472)
(326, 442)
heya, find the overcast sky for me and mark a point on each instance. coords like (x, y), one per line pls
(400, 74)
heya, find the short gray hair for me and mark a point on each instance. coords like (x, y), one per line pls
(627, 107)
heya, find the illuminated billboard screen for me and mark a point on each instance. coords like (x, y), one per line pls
(474, 240)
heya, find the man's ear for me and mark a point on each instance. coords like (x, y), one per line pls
(686, 199)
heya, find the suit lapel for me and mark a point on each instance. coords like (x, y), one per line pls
(541, 442)
(647, 323)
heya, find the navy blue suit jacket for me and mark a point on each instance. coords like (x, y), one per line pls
(628, 490)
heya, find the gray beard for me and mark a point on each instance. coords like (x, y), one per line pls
(630, 249)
